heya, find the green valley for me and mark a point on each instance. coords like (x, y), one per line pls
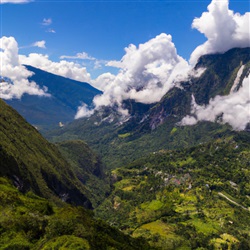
(28, 221)
(196, 198)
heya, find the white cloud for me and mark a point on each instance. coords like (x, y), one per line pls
(233, 109)
(47, 21)
(15, 1)
(149, 71)
(63, 68)
(223, 29)
(82, 56)
(39, 44)
(95, 63)
(11, 68)
(83, 111)
(146, 73)
(103, 81)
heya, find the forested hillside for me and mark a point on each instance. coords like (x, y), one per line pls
(186, 199)
(36, 186)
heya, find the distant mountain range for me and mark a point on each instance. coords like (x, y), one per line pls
(156, 126)
(66, 96)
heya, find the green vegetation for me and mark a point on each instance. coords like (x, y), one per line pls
(88, 168)
(169, 187)
(186, 199)
(124, 135)
(31, 222)
(34, 164)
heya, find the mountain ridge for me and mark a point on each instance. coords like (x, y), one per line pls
(157, 126)
(66, 96)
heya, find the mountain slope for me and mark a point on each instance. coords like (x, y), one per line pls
(154, 127)
(31, 222)
(28, 165)
(87, 167)
(66, 96)
(186, 199)
(32, 163)
(217, 79)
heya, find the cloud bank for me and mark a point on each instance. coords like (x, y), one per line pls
(83, 111)
(233, 109)
(148, 71)
(223, 29)
(12, 69)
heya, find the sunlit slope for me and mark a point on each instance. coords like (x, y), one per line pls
(185, 199)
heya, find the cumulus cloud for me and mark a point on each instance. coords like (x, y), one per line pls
(223, 29)
(146, 73)
(149, 71)
(233, 109)
(39, 44)
(17, 74)
(15, 1)
(63, 68)
(102, 81)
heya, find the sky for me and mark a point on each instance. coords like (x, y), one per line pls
(128, 49)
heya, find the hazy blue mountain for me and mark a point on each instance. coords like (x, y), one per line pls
(66, 96)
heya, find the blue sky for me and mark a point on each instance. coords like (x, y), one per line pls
(103, 28)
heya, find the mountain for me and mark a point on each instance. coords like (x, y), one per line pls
(66, 96)
(30, 222)
(37, 185)
(195, 198)
(217, 79)
(156, 126)
(161, 186)
(34, 164)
